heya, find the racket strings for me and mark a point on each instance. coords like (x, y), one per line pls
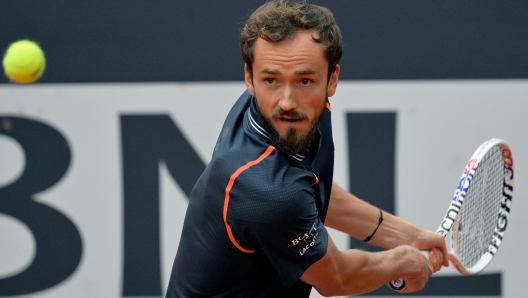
(478, 215)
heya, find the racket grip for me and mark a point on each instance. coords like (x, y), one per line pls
(399, 284)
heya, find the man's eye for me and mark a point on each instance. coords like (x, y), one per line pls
(270, 81)
(305, 82)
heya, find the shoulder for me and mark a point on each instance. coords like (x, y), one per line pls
(271, 189)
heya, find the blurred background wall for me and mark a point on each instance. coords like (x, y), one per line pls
(98, 157)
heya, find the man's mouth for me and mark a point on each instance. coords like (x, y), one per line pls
(292, 120)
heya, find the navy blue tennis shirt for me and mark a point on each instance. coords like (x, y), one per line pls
(255, 218)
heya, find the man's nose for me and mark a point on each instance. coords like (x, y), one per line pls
(287, 102)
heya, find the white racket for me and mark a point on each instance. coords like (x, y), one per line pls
(478, 214)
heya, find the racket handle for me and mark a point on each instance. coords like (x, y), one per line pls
(399, 284)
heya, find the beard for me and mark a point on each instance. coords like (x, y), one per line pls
(292, 142)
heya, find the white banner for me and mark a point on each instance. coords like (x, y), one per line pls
(439, 125)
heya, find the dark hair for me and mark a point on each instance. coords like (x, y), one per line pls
(280, 20)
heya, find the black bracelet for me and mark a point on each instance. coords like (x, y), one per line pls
(379, 223)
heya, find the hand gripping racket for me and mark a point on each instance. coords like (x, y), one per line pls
(478, 214)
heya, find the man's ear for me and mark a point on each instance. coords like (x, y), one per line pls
(332, 82)
(249, 83)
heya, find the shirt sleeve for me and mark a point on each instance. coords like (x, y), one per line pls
(292, 248)
(285, 226)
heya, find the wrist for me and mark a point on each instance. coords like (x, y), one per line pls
(380, 220)
(394, 232)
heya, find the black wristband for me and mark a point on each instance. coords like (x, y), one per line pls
(379, 223)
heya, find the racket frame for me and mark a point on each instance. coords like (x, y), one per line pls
(449, 226)
(452, 216)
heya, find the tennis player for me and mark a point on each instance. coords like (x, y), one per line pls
(256, 224)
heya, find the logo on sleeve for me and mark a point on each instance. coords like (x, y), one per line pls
(310, 234)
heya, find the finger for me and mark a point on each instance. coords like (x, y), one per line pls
(414, 284)
(433, 259)
(430, 264)
(445, 259)
(440, 258)
(436, 259)
(432, 256)
(431, 269)
(445, 255)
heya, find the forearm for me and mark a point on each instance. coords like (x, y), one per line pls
(359, 219)
(355, 271)
(368, 271)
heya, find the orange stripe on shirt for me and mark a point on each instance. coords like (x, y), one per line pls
(228, 190)
(316, 180)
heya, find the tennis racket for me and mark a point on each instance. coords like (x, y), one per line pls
(478, 214)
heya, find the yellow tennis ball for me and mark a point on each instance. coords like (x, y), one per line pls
(24, 62)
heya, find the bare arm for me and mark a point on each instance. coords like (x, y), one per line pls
(359, 219)
(355, 271)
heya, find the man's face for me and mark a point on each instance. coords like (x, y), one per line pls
(290, 83)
